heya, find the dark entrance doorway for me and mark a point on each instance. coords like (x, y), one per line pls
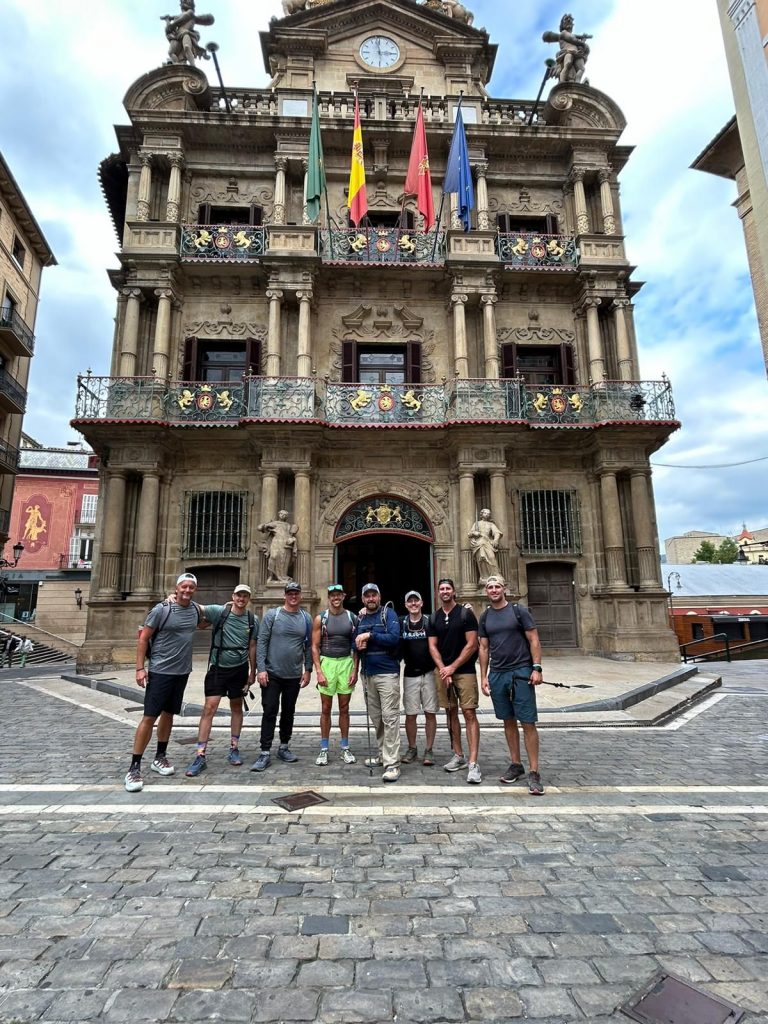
(393, 561)
(552, 603)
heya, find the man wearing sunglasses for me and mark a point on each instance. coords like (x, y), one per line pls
(335, 659)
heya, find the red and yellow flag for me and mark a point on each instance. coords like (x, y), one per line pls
(357, 201)
(418, 181)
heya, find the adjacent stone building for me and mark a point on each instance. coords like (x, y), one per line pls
(380, 384)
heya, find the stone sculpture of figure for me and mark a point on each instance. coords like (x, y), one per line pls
(293, 6)
(183, 39)
(484, 538)
(453, 9)
(572, 55)
(280, 547)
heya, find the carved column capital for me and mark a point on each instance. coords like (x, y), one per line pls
(621, 303)
(481, 168)
(176, 159)
(164, 293)
(576, 175)
(304, 295)
(274, 294)
(489, 299)
(132, 293)
(458, 299)
(591, 302)
(146, 157)
(281, 162)
(605, 175)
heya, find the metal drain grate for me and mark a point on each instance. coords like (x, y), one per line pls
(299, 801)
(667, 999)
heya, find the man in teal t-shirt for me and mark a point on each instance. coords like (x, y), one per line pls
(231, 671)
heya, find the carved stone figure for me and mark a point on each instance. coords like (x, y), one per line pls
(484, 539)
(453, 9)
(279, 547)
(183, 38)
(572, 55)
(293, 6)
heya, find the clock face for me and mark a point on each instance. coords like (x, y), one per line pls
(380, 52)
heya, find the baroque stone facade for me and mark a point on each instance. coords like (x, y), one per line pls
(383, 384)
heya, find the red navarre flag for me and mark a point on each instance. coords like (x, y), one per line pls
(418, 181)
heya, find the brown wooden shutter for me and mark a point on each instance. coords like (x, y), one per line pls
(253, 357)
(349, 372)
(413, 363)
(502, 223)
(204, 213)
(255, 215)
(566, 364)
(190, 359)
(509, 360)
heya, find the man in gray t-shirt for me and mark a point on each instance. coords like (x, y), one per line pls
(165, 641)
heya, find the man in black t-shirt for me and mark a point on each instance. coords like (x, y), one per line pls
(509, 643)
(419, 692)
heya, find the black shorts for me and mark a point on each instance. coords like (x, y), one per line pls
(226, 682)
(164, 693)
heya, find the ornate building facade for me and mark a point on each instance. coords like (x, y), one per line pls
(381, 384)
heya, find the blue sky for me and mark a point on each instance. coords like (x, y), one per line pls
(66, 68)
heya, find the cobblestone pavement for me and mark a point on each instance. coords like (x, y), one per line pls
(426, 901)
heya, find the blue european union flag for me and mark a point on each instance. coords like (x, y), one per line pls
(458, 175)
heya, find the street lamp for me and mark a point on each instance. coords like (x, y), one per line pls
(18, 551)
(676, 576)
(78, 597)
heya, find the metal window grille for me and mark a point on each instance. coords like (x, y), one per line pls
(215, 523)
(550, 523)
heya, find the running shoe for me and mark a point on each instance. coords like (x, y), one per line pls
(198, 765)
(429, 758)
(474, 774)
(285, 754)
(262, 762)
(392, 774)
(133, 781)
(513, 773)
(456, 764)
(322, 758)
(234, 757)
(162, 766)
(535, 788)
(373, 762)
(347, 756)
(410, 755)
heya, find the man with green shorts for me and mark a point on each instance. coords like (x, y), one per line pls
(336, 662)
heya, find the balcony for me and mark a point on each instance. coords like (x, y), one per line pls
(5, 522)
(14, 332)
(294, 400)
(222, 243)
(13, 397)
(531, 251)
(9, 457)
(383, 246)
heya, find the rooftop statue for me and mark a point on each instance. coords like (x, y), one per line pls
(572, 55)
(451, 9)
(183, 39)
(294, 6)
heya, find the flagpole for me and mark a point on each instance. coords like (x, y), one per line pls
(442, 195)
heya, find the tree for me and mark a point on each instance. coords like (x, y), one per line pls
(706, 553)
(728, 552)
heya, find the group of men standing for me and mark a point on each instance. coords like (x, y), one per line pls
(439, 654)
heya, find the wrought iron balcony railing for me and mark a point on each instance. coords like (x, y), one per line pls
(12, 394)
(532, 251)
(382, 245)
(222, 243)
(294, 399)
(5, 521)
(11, 322)
(9, 456)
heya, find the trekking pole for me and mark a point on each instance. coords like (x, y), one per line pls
(368, 724)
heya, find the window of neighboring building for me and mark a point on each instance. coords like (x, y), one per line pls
(510, 223)
(8, 308)
(697, 631)
(215, 523)
(88, 508)
(218, 361)
(81, 549)
(381, 364)
(208, 214)
(550, 523)
(538, 364)
(18, 252)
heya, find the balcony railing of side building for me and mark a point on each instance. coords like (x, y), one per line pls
(12, 325)
(222, 243)
(531, 251)
(302, 399)
(5, 521)
(381, 245)
(12, 394)
(9, 456)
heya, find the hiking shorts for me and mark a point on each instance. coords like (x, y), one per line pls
(164, 693)
(337, 672)
(226, 682)
(420, 693)
(512, 694)
(463, 691)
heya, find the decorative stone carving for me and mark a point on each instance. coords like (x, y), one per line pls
(280, 546)
(484, 539)
(539, 335)
(216, 328)
(182, 35)
(572, 55)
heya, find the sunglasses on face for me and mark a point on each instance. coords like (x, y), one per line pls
(336, 589)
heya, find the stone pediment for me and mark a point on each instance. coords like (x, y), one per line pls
(580, 106)
(171, 87)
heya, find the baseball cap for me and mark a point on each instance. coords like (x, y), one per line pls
(412, 593)
(370, 587)
(186, 577)
(292, 585)
(499, 581)
(242, 588)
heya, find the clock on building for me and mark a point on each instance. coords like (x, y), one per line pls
(380, 51)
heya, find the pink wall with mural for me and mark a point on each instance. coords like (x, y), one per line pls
(43, 517)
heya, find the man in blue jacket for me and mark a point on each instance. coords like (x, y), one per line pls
(377, 638)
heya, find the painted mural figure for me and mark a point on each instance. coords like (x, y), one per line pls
(35, 524)
(484, 538)
(279, 547)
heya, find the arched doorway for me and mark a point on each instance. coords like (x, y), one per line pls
(387, 541)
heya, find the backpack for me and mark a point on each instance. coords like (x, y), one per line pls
(463, 618)
(218, 632)
(484, 615)
(324, 627)
(307, 625)
(27, 646)
(169, 608)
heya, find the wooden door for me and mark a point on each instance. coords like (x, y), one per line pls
(552, 603)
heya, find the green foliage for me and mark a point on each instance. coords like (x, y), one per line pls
(725, 554)
(706, 553)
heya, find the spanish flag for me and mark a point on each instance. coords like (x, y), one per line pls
(357, 200)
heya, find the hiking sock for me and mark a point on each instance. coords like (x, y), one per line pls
(161, 749)
(325, 744)
(201, 747)
(234, 742)
(136, 761)
(344, 743)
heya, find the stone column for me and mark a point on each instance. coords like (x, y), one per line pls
(304, 211)
(129, 339)
(613, 535)
(456, 224)
(173, 204)
(460, 357)
(162, 343)
(623, 348)
(112, 541)
(304, 367)
(483, 220)
(145, 187)
(268, 496)
(490, 346)
(580, 202)
(467, 516)
(146, 533)
(642, 515)
(303, 520)
(594, 341)
(606, 202)
(278, 214)
(275, 297)
(499, 510)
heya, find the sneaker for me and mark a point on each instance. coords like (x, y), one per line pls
(162, 766)
(429, 758)
(535, 787)
(410, 755)
(456, 763)
(322, 758)
(373, 762)
(513, 773)
(198, 765)
(347, 756)
(234, 757)
(286, 755)
(392, 774)
(474, 774)
(133, 781)
(261, 762)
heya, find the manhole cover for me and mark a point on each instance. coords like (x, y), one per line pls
(299, 801)
(667, 999)
(186, 741)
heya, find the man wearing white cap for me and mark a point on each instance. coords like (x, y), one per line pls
(170, 626)
(419, 689)
(231, 671)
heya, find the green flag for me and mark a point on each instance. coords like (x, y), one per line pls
(316, 168)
